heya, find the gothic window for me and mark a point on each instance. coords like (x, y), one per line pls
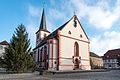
(45, 56)
(41, 54)
(76, 49)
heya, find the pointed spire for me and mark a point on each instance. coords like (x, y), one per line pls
(43, 22)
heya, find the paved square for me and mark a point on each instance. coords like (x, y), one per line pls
(109, 75)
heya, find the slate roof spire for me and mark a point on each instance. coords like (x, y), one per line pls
(43, 22)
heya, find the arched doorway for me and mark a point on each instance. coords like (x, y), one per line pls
(76, 63)
(76, 55)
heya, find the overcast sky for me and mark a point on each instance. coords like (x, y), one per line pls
(99, 18)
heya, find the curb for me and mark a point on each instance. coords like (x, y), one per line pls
(74, 71)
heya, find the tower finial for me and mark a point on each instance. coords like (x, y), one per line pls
(74, 12)
(43, 4)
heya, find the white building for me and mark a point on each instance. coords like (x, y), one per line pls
(66, 48)
(110, 58)
(3, 45)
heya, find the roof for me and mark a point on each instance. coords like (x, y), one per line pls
(111, 54)
(94, 55)
(4, 43)
(82, 27)
(43, 23)
(55, 33)
(52, 35)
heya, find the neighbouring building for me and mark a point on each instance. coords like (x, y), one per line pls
(66, 48)
(3, 45)
(96, 61)
(110, 58)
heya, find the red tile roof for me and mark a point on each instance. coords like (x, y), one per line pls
(4, 43)
(111, 54)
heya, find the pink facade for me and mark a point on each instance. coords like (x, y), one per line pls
(67, 48)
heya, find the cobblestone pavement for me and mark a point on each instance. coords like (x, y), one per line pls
(109, 75)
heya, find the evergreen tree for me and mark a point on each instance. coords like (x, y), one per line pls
(17, 56)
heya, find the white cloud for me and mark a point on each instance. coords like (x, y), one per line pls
(100, 15)
(56, 14)
(34, 11)
(101, 43)
(31, 29)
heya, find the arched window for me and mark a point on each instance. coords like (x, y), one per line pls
(38, 56)
(41, 54)
(45, 56)
(76, 49)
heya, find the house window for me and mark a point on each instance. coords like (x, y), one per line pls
(1, 47)
(109, 65)
(76, 49)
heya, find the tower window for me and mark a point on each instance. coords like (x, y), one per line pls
(45, 35)
(37, 36)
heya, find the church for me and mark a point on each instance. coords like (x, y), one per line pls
(66, 48)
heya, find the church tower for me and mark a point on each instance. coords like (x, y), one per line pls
(42, 32)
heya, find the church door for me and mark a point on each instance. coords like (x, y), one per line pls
(76, 63)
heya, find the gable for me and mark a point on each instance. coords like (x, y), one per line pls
(74, 31)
